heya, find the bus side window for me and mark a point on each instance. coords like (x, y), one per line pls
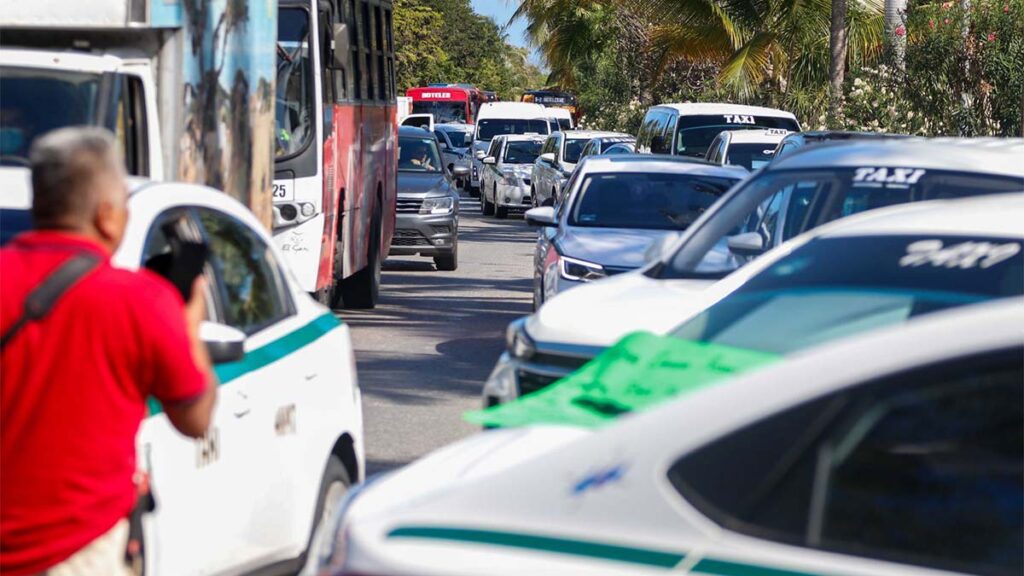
(369, 74)
(356, 41)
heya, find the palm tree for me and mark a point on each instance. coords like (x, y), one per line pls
(567, 32)
(837, 54)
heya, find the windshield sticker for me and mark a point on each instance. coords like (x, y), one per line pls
(884, 177)
(739, 119)
(965, 255)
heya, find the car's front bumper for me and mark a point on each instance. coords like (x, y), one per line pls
(515, 377)
(517, 196)
(425, 234)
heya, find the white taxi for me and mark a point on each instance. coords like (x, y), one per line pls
(798, 192)
(750, 149)
(897, 453)
(507, 170)
(287, 430)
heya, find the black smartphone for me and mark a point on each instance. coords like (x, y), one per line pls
(182, 264)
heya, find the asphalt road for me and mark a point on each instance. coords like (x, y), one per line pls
(423, 354)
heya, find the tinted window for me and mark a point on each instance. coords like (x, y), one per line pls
(833, 288)
(645, 200)
(522, 152)
(492, 127)
(812, 198)
(750, 156)
(294, 103)
(923, 468)
(34, 102)
(418, 155)
(13, 222)
(565, 124)
(695, 133)
(252, 288)
(573, 148)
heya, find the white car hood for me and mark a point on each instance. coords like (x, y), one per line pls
(600, 313)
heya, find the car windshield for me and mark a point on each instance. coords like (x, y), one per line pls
(695, 133)
(489, 128)
(457, 137)
(750, 156)
(522, 152)
(654, 200)
(35, 101)
(13, 221)
(573, 149)
(447, 112)
(608, 143)
(293, 114)
(418, 155)
(832, 288)
(623, 148)
(775, 206)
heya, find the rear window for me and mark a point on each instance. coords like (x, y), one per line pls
(695, 133)
(750, 156)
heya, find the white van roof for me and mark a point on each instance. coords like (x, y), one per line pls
(705, 108)
(513, 110)
(559, 112)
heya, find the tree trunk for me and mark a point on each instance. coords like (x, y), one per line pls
(837, 52)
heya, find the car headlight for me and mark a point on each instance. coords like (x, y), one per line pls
(442, 205)
(509, 178)
(580, 270)
(517, 341)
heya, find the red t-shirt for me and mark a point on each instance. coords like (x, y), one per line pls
(73, 388)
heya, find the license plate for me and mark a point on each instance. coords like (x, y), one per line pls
(283, 190)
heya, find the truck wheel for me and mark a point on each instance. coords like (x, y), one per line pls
(448, 262)
(362, 289)
(333, 486)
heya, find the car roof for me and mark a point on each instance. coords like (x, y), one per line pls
(658, 163)
(760, 136)
(523, 137)
(993, 215)
(558, 112)
(590, 134)
(985, 156)
(699, 108)
(827, 135)
(414, 132)
(512, 110)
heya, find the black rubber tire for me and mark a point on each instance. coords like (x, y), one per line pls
(501, 212)
(334, 472)
(485, 205)
(448, 262)
(362, 289)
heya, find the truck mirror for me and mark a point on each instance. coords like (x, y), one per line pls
(340, 45)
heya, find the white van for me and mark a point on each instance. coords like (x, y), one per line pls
(688, 129)
(497, 118)
(563, 117)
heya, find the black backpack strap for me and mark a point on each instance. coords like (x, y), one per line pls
(43, 297)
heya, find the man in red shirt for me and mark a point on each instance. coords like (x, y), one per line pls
(74, 383)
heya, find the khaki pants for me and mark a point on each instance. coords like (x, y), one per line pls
(103, 556)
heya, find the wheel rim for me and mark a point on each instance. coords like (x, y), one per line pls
(320, 545)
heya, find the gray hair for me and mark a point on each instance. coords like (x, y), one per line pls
(64, 164)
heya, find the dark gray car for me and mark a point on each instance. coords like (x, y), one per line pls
(427, 221)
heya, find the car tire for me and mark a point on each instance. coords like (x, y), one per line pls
(362, 289)
(533, 197)
(333, 486)
(486, 207)
(448, 262)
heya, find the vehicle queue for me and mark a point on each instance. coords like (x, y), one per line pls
(794, 287)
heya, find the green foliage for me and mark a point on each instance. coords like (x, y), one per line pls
(446, 41)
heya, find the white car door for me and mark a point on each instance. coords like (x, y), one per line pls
(913, 474)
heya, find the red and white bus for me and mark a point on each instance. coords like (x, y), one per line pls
(336, 151)
(448, 104)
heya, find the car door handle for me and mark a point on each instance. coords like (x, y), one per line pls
(242, 407)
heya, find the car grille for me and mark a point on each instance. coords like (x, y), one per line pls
(441, 230)
(409, 206)
(532, 382)
(409, 238)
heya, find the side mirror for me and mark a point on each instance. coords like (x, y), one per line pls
(223, 343)
(547, 158)
(340, 45)
(490, 161)
(748, 244)
(460, 172)
(542, 217)
(480, 155)
(660, 248)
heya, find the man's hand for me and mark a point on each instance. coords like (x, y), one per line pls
(192, 418)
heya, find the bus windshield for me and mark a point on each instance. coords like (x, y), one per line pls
(695, 133)
(36, 101)
(444, 112)
(293, 112)
(492, 127)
